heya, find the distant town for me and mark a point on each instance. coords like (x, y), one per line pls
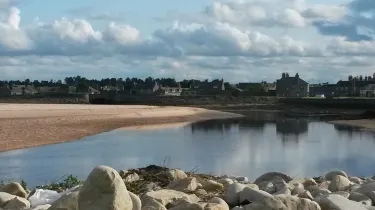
(286, 86)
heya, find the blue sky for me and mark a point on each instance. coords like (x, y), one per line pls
(238, 40)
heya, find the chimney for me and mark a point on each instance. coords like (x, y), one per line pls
(297, 75)
(287, 75)
(350, 78)
(283, 75)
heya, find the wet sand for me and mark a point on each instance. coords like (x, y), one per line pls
(366, 124)
(28, 125)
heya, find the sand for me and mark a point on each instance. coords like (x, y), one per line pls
(28, 125)
(366, 124)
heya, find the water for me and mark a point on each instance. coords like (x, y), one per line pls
(248, 147)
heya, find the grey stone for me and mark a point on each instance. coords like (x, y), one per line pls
(188, 184)
(339, 183)
(14, 188)
(253, 195)
(137, 204)
(330, 175)
(68, 201)
(337, 202)
(164, 196)
(231, 195)
(104, 190)
(271, 176)
(358, 197)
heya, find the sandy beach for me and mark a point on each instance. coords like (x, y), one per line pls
(365, 124)
(28, 125)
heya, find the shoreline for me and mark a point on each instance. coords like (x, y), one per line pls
(29, 125)
(362, 124)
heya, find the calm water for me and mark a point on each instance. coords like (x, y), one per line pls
(248, 147)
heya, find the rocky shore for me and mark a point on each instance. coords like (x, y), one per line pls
(160, 188)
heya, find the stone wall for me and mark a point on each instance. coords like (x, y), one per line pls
(55, 98)
(347, 103)
(181, 100)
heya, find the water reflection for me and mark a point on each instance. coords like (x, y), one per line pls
(248, 146)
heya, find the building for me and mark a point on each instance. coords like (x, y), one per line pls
(23, 90)
(367, 90)
(150, 88)
(5, 91)
(171, 91)
(322, 90)
(291, 86)
(216, 87)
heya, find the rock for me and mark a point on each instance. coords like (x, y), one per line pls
(226, 182)
(295, 203)
(356, 180)
(175, 174)
(133, 177)
(368, 190)
(221, 202)
(284, 191)
(297, 190)
(238, 208)
(337, 202)
(210, 186)
(305, 194)
(342, 193)
(267, 187)
(253, 186)
(123, 173)
(199, 186)
(358, 197)
(339, 183)
(215, 206)
(318, 192)
(242, 179)
(188, 184)
(231, 195)
(200, 192)
(324, 184)
(137, 204)
(189, 206)
(266, 204)
(151, 204)
(41, 207)
(253, 195)
(68, 201)
(5, 198)
(271, 176)
(164, 196)
(14, 188)
(330, 175)
(184, 200)
(150, 187)
(17, 203)
(104, 190)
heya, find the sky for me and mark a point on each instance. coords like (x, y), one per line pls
(237, 40)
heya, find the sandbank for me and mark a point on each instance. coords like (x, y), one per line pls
(28, 125)
(365, 124)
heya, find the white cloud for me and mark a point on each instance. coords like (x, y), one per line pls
(236, 40)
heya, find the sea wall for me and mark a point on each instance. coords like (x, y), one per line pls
(55, 98)
(180, 100)
(347, 103)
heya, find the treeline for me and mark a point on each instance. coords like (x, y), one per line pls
(73, 81)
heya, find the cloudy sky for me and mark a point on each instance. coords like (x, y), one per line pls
(238, 40)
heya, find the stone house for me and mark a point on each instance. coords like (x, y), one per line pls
(5, 91)
(171, 91)
(367, 90)
(215, 87)
(322, 90)
(145, 89)
(23, 90)
(291, 86)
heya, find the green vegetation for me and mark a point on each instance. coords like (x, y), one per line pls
(58, 185)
